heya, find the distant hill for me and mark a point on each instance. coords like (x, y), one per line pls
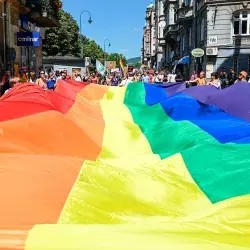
(134, 60)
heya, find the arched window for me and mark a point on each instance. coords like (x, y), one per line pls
(241, 23)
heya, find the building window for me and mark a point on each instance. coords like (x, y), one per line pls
(188, 3)
(241, 23)
(183, 42)
(235, 64)
(190, 37)
(175, 16)
(202, 29)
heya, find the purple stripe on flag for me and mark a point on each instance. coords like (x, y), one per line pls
(162, 91)
(234, 100)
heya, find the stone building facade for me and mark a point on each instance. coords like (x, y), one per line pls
(226, 35)
(149, 38)
(220, 28)
(24, 16)
(159, 27)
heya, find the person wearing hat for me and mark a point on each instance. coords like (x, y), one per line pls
(242, 77)
(215, 81)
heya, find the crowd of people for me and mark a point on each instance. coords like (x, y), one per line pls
(48, 81)
(219, 79)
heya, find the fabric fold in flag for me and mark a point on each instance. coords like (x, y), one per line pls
(141, 167)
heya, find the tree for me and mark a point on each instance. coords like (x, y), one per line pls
(137, 65)
(92, 50)
(63, 40)
(66, 40)
(116, 57)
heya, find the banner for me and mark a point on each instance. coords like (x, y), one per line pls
(87, 61)
(110, 65)
(99, 67)
(28, 39)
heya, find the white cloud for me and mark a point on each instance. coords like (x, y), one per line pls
(137, 30)
(124, 50)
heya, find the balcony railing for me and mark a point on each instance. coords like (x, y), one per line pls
(44, 12)
(170, 30)
(184, 14)
(20, 5)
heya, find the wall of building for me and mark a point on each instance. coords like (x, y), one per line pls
(17, 20)
(149, 37)
(2, 48)
(220, 25)
(12, 28)
(210, 19)
(160, 24)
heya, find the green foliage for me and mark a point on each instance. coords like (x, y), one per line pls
(116, 57)
(92, 50)
(63, 40)
(137, 65)
(66, 40)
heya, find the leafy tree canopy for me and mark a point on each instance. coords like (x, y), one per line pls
(63, 40)
(137, 65)
(66, 40)
(92, 50)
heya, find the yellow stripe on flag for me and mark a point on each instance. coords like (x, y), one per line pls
(130, 199)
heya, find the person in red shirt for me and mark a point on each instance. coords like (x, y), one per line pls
(68, 77)
(94, 79)
(151, 78)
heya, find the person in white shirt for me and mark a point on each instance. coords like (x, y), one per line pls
(215, 81)
(125, 81)
(161, 77)
(145, 77)
(77, 77)
(171, 77)
(156, 78)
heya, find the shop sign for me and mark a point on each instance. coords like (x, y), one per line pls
(111, 65)
(28, 39)
(212, 40)
(198, 52)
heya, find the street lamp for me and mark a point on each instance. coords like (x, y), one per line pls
(104, 48)
(89, 21)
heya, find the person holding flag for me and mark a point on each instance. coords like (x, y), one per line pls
(123, 68)
(100, 68)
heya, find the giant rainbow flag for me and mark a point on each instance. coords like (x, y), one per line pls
(150, 167)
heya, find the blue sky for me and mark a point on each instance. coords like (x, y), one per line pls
(118, 20)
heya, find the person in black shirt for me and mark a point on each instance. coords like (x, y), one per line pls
(179, 78)
(6, 82)
(232, 77)
(223, 78)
